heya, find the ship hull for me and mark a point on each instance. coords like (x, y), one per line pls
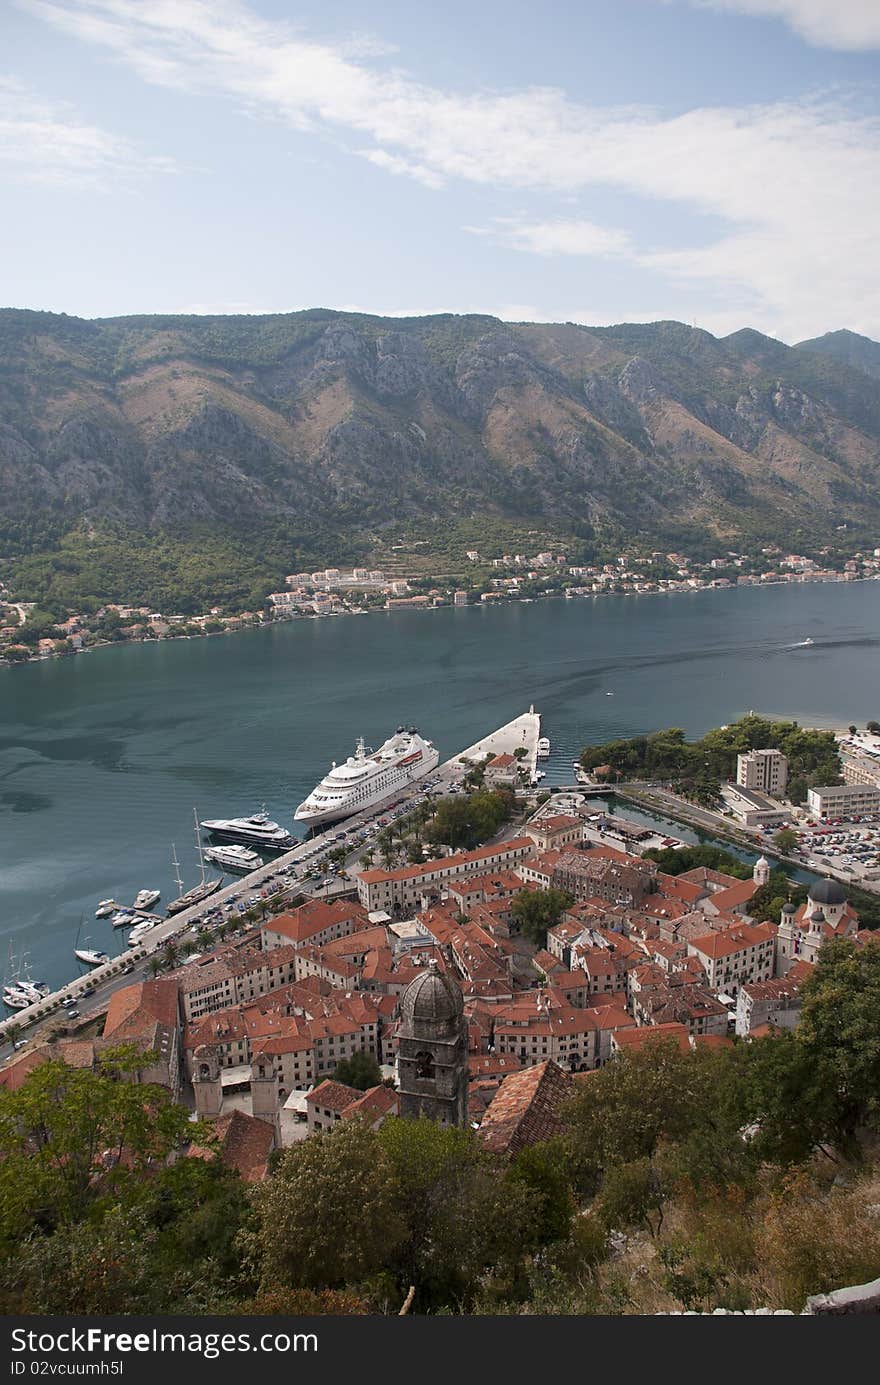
(317, 817)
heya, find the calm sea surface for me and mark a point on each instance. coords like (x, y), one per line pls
(104, 756)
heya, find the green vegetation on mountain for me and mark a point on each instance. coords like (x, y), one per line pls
(848, 348)
(256, 443)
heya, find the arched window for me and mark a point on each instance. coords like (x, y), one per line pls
(425, 1065)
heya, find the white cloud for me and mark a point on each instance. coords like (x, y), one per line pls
(392, 163)
(40, 143)
(795, 183)
(850, 25)
(558, 237)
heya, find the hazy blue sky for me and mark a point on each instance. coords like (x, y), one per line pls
(588, 160)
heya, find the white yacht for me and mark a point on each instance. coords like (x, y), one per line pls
(90, 956)
(105, 908)
(543, 748)
(368, 777)
(16, 999)
(123, 918)
(256, 830)
(146, 899)
(20, 990)
(233, 857)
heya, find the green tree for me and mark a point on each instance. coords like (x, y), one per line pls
(329, 1217)
(544, 1169)
(463, 1216)
(360, 1070)
(785, 840)
(64, 1134)
(839, 1032)
(537, 910)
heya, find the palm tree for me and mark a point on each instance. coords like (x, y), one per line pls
(204, 937)
(170, 955)
(154, 966)
(13, 1033)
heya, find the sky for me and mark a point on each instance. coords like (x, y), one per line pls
(592, 161)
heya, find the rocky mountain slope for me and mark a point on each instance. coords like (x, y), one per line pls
(161, 422)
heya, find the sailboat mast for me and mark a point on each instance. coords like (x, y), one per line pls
(199, 845)
(174, 861)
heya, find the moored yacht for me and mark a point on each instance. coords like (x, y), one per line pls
(257, 830)
(233, 857)
(368, 777)
(543, 748)
(90, 956)
(146, 899)
(198, 892)
(105, 908)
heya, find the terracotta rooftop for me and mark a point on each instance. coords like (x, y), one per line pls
(136, 1010)
(245, 1145)
(463, 858)
(631, 1039)
(335, 1096)
(526, 1109)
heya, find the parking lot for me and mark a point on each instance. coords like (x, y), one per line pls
(852, 847)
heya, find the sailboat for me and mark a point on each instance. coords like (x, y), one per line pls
(198, 892)
(20, 991)
(90, 956)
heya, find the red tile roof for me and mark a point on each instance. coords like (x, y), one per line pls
(526, 1109)
(134, 1011)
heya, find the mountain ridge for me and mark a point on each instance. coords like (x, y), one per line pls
(331, 418)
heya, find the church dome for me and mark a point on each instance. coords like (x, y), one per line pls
(827, 892)
(789, 908)
(762, 861)
(431, 999)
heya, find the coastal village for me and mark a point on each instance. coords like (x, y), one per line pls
(467, 1018)
(26, 633)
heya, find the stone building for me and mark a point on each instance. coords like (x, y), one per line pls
(432, 1062)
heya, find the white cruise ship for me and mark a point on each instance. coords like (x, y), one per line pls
(368, 777)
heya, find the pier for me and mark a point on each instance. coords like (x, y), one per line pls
(522, 731)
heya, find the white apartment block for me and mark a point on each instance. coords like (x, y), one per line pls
(764, 770)
(844, 800)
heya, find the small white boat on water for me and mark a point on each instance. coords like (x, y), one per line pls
(146, 899)
(90, 956)
(123, 918)
(105, 908)
(543, 748)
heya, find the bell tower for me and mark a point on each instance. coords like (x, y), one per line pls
(206, 1081)
(432, 1053)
